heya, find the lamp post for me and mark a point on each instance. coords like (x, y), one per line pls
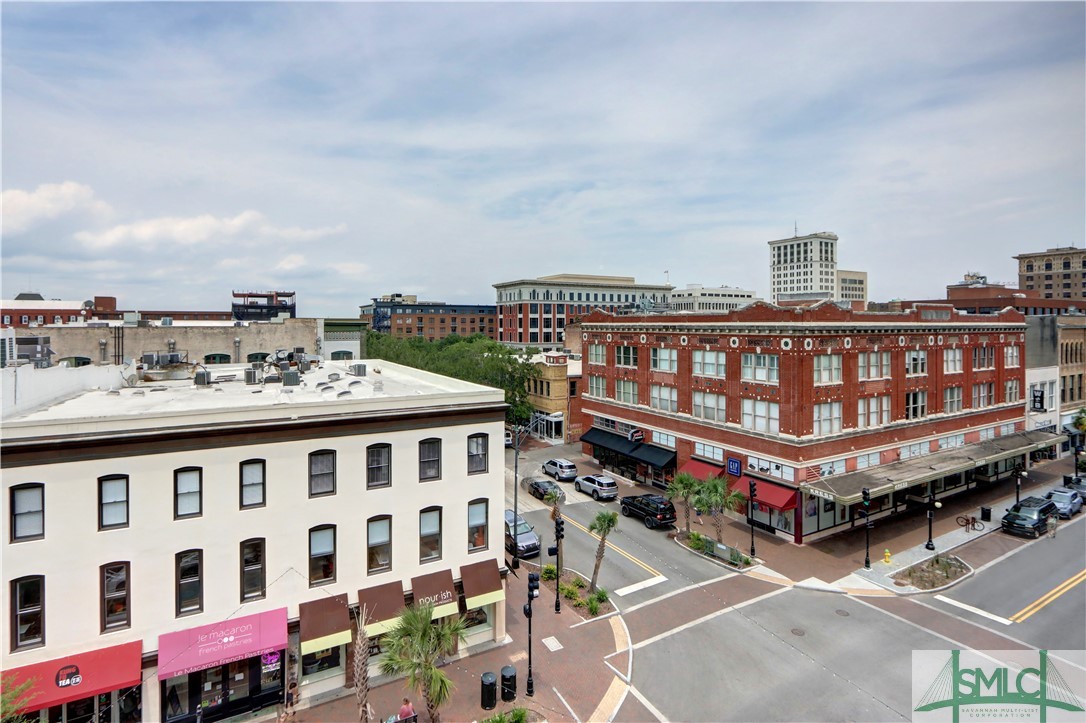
(932, 506)
(750, 514)
(519, 433)
(866, 511)
(1018, 483)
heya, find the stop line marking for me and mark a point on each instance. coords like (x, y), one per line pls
(640, 585)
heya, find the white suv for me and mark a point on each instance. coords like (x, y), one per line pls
(600, 486)
(561, 469)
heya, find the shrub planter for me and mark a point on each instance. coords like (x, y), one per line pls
(934, 573)
(726, 555)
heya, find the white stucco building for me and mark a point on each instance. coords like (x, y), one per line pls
(805, 267)
(178, 548)
(696, 297)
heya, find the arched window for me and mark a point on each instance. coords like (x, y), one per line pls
(429, 459)
(478, 512)
(322, 473)
(478, 445)
(379, 544)
(378, 466)
(430, 534)
(322, 555)
(189, 568)
(252, 569)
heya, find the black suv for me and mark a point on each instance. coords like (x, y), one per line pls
(1029, 517)
(654, 510)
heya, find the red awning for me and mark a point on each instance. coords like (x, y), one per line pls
(79, 676)
(769, 495)
(702, 470)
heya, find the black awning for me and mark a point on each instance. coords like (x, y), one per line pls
(609, 440)
(656, 456)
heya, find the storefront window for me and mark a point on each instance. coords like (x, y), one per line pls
(130, 703)
(321, 660)
(211, 687)
(477, 619)
(271, 671)
(177, 697)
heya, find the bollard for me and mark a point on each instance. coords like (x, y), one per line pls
(886, 556)
(509, 683)
(489, 691)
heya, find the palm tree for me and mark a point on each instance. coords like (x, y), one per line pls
(684, 486)
(604, 523)
(555, 502)
(413, 649)
(716, 497)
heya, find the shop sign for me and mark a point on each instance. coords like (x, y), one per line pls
(68, 676)
(636, 435)
(735, 466)
(438, 598)
(815, 492)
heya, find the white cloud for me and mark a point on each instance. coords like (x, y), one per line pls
(25, 209)
(290, 263)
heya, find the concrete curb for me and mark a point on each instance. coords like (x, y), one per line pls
(717, 561)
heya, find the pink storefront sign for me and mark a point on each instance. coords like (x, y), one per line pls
(187, 651)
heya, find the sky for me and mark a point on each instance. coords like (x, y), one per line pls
(170, 153)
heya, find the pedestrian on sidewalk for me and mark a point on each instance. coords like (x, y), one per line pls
(407, 711)
(292, 696)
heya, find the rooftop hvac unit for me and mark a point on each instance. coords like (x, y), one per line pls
(344, 393)
(256, 365)
(252, 376)
(284, 365)
(291, 378)
(150, 359)
(299, 350)
(273, 379)
(172, 358)
(359, 370)
(203, 378)
(333, 377)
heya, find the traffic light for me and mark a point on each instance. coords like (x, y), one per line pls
(866, 493)
(533, 586)
(553, 550)
(559, 529)
(527, 610)
(753, 489)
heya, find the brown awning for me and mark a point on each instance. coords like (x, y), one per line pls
(438, 589)
(324, 623)
(383, 604)
(482, 583)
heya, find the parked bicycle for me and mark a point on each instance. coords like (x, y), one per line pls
(970, 522)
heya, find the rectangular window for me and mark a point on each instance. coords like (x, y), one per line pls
(708, 450)
(664, 360)
(864, 461)
(708, 363)
(379, 544)
(827, 418)
(874, 364)
(984, 357)
(1011, 356)
(322, 555)
(626, 391)
(28, 612)
(378, 466)
(916, 362)
(322, 473)
(626, 356)
(115, 597)
(919, 449)
(983, 395)
(1011, 391)
(429, 459)
(597, 387)
(252, 569)
(190, 581)
(597, 354)
(112, 502)
(252, 483)
(187, 489)
(952, 360)
(827, 369)
(760, 367)
(873, 411)
(27, 512)
(664, 398)
(708, 406)
(477, 516)
(430, 534)
(477, 453)
(663, 439)
(954, 440)
(761, 416)
(916, 404)
(952, 400)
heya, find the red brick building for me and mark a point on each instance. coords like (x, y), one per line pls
(813, 403)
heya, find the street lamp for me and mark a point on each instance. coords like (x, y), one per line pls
(519, 433)
(750, 515)
(533, 593)
(1018, 483)
(866, 512)
(932, 506)
(559, 533)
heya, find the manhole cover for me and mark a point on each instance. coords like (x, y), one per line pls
(842, 613)
(798, 631)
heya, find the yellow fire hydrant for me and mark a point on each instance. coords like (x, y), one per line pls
(886, 556)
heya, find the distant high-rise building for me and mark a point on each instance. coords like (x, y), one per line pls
(807, 266)
(1058, 273)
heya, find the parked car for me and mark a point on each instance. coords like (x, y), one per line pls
(1067, 500)
(654, 510)
(600, 486)
(526, 541)
(561, 469)
(1078, 484)
(508, 438)
(1029, 517)
(541, 486)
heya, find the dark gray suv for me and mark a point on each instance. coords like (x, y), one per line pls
(653, 510)
(520, 534)
(1029, 517)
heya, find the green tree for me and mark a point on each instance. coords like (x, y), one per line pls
(415, 646)
(683, 487)
(15, 698)
(555, 501)
(604, 523)
(716, 497)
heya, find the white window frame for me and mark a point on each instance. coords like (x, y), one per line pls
(983, 357)
(827, 369)
(916, 362)
(916, 404)
(1012, 356)
(983, 395)
(1012, 391)
(706, 405)
(760, 415)
(597, 354)
(626, 391)
(952, 360)
(761, 368)
(709, 451)
(827, 419)
(952, 400)
(626, 356)
(874, 365)
(597, 386)
(663, 439)
(663, 359)
(872, 411)
(663, 397)
(708, 363)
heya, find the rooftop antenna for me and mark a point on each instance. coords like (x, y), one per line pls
(795, 233)
(667, 279)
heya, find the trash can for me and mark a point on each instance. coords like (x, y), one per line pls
(488, 695)
(509, 683)
(1067, 480)
(985, 514)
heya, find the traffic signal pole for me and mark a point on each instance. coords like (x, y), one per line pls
(867, 527)
(753, 491)
(533, 592)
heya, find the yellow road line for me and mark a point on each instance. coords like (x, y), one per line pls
(1048, 597)
(619, 550)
